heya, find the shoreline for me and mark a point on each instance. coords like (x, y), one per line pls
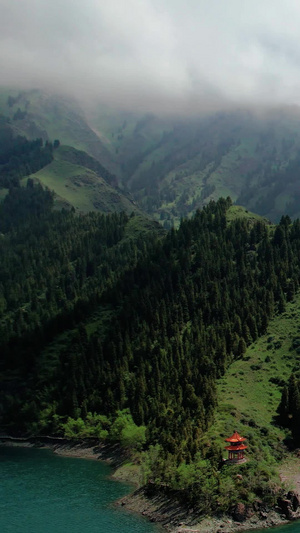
(174, 518)
(82, 448)
(163, 510)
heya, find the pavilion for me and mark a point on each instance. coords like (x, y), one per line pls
(236, 448)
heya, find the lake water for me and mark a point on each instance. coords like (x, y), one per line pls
(41, 492)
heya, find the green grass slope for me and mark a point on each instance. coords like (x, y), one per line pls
(250, 391)
(238, 211)
(81, 187)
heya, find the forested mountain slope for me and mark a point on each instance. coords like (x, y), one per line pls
(114, 332)
(20, 157)
(77, 179)
(36, 114)
(175, 166)
(114, 328)
(54, 261)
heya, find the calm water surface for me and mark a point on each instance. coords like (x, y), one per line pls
(43, 493)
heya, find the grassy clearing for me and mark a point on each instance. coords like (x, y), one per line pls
(290, 474)
(237, 211)
(248, 395)
(81, 187)
(64, 178)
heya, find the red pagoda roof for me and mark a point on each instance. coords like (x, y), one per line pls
(235, 438)
(236, 448)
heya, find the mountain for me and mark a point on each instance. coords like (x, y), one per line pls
(113, 328)
(36, 114)
(111, 332)
(80, 181)
(174, 166)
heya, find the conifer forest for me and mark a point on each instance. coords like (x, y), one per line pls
(120, 334)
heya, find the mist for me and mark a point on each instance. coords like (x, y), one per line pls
(155, 55)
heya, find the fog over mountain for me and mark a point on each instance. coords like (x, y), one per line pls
(155, 54)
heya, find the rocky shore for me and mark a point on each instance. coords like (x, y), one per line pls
(167, 512)
(84, 448)
(161, 508)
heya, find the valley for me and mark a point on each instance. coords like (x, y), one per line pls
(173, 166)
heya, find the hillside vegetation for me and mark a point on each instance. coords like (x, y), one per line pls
(36, 114)
(77, 179)
(250, 392)
(81, 182)
(112, 327)
(173, 166)
(123, 334)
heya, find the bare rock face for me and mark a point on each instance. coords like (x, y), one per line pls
(290, 505)
(286, 508)
(239, 513)
(257, 505)
(294, 499)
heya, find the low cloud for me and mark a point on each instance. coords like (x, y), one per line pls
(155, 54)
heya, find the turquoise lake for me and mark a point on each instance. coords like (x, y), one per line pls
(41, 492)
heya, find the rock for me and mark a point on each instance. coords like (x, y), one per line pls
(239, 512)
(294, 499)
(289, 505)
(257, 505)
(188, 531)
(286, 507)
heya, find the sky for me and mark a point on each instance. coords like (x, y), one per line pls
(156, 54)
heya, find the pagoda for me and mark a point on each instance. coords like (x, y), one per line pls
(236, 448)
